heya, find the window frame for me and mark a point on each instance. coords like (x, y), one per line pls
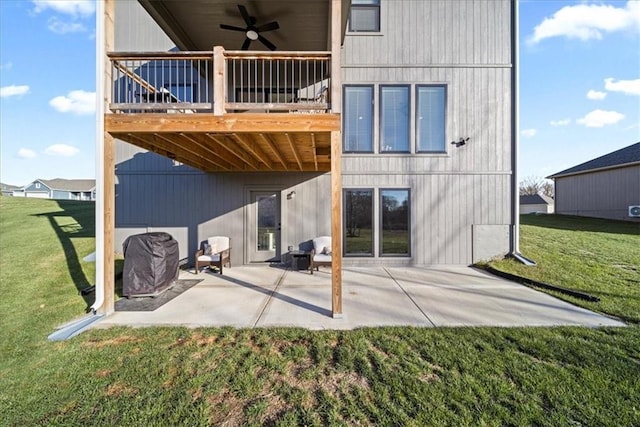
(445, 88)
(344, 119)
(373, 223)
(363, 6)
(381, 223)
(381, 119)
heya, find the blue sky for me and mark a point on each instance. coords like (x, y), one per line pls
(579, 85)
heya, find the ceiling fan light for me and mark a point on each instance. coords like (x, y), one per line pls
(252, 35)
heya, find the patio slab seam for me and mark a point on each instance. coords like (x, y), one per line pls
(269, 298)
(410, 297)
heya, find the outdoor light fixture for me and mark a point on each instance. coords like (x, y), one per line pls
(291, 195)
(461, 142)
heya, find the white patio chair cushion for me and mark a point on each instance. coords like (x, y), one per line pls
(218, 243)
(319, 243)
(209, 258)
(321, 258)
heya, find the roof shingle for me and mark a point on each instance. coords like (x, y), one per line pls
(630, 154)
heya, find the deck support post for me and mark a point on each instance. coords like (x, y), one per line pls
(108, 214)
(336, 161)
(219, 76)
(336, 224)
(105, 173)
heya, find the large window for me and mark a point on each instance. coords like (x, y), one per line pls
(394, 119)
(394, 222)
(358, 222)
(358, 119)
(364, 16)
(430, 118)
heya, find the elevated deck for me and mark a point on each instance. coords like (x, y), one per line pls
(226, 111)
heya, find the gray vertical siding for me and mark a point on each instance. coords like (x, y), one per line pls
(463, 44)
(196, 205)
(600, 194)
(136, 31)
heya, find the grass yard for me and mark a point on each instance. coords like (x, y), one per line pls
(599, 257)
(224, 376)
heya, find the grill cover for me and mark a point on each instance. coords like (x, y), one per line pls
(150, 264)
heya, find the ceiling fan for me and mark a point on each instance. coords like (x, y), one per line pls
(252, 31)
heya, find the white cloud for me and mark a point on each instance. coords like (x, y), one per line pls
(13, 90)
(69, 7)
(63, 150)
(26, 153)
(562, 122)
(628, 87)
(6, 66)
(596, 95)
(588, 21)
(60, 27)
(600, 118)
(528, 133)
(76, 101)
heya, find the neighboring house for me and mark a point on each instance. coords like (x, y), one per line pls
(7, 190)
(536, 203)
(59, 189)
(386, 124)
(605, 187)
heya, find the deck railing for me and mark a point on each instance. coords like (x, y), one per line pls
(165, 81)
(220, 81)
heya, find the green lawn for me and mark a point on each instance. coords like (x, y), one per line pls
(599, 257)
(214, 376)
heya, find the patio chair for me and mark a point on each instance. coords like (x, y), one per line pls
(321, 253)
(216, 252)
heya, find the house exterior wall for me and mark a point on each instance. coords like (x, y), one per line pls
(465, 45)
(600, 194)
(192, 205)
(544, 208)
(37, 190)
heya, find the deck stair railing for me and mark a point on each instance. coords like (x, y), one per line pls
(220, 82)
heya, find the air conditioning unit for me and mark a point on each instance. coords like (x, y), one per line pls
(634, 211)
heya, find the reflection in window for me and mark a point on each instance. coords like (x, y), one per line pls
(358, 221)
(267, 217)
(358, 119)
(394, 217)
(430, 118)
(364, 16)
(394, 119)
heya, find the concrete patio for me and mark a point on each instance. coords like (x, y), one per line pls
(265, 296)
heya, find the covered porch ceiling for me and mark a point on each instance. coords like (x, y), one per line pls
(194, 25)
(242, 142)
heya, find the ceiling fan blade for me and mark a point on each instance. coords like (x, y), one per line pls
(268, 27)
(245, 45)
(245, 15)
(266, 42)
(231, 27)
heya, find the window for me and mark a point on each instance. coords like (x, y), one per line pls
(358, 222)
(37, 185)
(430, 118)
(394, 222)
(364, 16)
(394, 119)
(358, 119)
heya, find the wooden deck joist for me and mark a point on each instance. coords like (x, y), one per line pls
(233, 142)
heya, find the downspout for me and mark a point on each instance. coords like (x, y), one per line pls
(100, 55)
(515, 140)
